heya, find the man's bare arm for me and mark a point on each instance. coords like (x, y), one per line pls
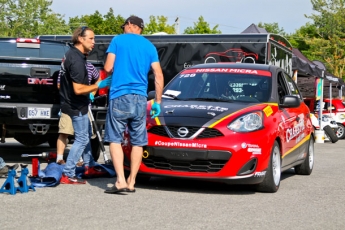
(109, 63)
(159, 81)
(84, 89)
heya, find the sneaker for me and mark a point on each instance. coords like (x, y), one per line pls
(94, 172)
(71, 180)
(4, 171)
(61, 162)
(80, 164)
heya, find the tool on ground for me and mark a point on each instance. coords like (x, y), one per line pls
(24, 184)
(48, 156)
(94, 124)
(10, 183)
(34, 164)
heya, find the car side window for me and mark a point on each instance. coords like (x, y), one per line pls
(292, 86)
(281, 87)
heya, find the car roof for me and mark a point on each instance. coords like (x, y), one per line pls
(236, 65)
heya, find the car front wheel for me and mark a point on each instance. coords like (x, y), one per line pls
(271, 182)
(341, 131)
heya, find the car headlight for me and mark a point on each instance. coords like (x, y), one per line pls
(247, 123)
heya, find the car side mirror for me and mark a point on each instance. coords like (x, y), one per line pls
(290, 102)
(151, 95)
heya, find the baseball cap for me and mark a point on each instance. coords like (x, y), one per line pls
(134, 20)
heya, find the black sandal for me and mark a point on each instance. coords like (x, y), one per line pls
(114, 190)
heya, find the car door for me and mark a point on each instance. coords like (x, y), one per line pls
(293, 121)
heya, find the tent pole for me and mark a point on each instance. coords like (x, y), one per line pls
(321, 101)
(330, 97)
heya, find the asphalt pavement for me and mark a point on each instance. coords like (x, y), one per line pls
(302, 202)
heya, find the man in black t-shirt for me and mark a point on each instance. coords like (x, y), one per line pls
(74, 95)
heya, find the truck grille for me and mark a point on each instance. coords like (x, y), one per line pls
(206, 133)
(208, 166)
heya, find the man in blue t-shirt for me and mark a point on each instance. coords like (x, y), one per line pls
(130, 57)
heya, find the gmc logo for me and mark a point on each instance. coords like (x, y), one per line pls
(38, 81)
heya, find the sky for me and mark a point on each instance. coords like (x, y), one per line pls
(231, 16)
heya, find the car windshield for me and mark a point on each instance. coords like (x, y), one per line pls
(247, 86)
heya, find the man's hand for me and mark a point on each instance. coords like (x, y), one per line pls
(104, 83)
(92, 97)
(155, 110)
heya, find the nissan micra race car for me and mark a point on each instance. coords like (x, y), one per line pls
(236, 123)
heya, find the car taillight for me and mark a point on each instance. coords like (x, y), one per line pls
(28, 43)
(103, 75)
(28, 40)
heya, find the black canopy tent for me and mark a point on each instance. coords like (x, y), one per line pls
(304, 66)
(331, 82)
(307, 71)
(254, 29)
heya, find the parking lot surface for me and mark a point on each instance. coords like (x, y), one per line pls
(302, 202)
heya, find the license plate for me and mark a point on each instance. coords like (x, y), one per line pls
(38, 113)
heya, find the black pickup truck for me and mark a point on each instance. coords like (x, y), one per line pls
(29, 97)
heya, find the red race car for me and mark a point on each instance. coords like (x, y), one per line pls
(235, 123)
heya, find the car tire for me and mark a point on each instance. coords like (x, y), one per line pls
(95, 148)
(271, 181)
(341, 131)
(330, 134)
(308, 164)
(30, 140)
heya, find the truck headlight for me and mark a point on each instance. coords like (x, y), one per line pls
(247, 123)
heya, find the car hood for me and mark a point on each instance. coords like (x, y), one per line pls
(197, 113)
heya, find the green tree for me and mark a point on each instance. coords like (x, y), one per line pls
(202, 27)
(272, 28)
(112, 23)
(107, 24)
(301, 35)
(158, 24)
(28, 18)
(328, 42)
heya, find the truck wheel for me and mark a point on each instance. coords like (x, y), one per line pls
(271, 182)
(308, 164)
(52, 139)
(330, 134)
(341, 131)
(30, 140)
(95, 148)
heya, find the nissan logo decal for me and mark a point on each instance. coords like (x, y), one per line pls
(182, 132)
